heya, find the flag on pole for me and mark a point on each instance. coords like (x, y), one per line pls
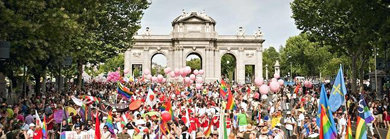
(338, 92)
(151, 99)
(208, 131)
(97, 126)
(326, 130)
(124, 91)
(348, 135)
(124, 120)
(37, 120)
(230, 101)
(361, 129)
(364, 111)
(188, 119)
(325, 118)
(109, 123)
(44, 127)
(223, 89)
(364, 117)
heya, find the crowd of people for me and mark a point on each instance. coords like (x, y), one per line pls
(196, 112)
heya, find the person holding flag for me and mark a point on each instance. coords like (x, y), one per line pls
(337, 95)
(364, 117)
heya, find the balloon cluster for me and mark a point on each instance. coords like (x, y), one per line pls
(176, 74)
(113, 76)
(308, 84)
(274, 84)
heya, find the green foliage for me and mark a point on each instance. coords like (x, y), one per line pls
(270, 56)
(228, 66)
(194, 63)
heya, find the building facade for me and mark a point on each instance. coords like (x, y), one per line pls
(194, 33)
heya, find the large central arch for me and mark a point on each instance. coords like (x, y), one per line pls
(194, 33)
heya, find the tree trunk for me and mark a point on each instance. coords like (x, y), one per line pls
(79, 74)
(354, 73)
(37, 87)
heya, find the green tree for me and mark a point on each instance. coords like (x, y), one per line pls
(228, 66)
(194, 63)
(270, 55)
(348, 26)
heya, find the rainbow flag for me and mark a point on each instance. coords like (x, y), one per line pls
(230, 101)
(326, 130)
(223, 89)
(109, 123)
(361, 129)
(348, 135)
(208, 131)
(168, 107)
(44, 127)
(124, 91)
(83, 112)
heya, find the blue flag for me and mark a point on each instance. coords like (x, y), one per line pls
(325, 103)
(338, 92)
(364, 111)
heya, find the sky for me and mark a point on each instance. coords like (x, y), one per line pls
(273, 16)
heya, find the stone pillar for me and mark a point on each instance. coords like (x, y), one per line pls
(240, 78)
(128, 62)
(147, 60)
(217, 64)
(266, 72)
(259, 64)
(277, 68)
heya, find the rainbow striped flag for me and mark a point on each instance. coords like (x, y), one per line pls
(44, 127)
(223, 89)
(109, 123)
(361, 129)
(326, 130)
(167, 106)
(208, 131)
(230, 101)
(348, 135)
(124, 91)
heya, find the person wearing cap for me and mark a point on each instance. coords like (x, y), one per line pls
(289, 122)
(30, 131)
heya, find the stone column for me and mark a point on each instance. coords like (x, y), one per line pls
(128, 62)
(217, 64)
(147, 60)
(259, 64)
(240, 78)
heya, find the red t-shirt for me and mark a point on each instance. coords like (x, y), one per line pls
(228, 122)
(194, 124)
(38, 134)
(216, 122)
(205, 123)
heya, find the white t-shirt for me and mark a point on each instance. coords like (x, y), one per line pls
(301, 117)
(289, 120)
(30, 133)
(342, 123)
(244, 106)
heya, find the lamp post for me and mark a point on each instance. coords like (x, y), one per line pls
(376, 74)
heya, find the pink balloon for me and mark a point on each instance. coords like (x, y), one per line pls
(192, 77)
(199, 80)
(167, 70)
(198, 86)
(201, 72)
(276, 76)
(281, 82)
(159, 78)
(177, 71)
(164, 80)
(187, 80)
(147, 72)
(183, 72)
(172, 74)
(308, 84)
(188, 69)
(154, 79)
(149, 77)
(274, 86)
(196, 72)
(259, 81)
(264, 89)
(274, 80)
(256, 96)
(126, 71)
